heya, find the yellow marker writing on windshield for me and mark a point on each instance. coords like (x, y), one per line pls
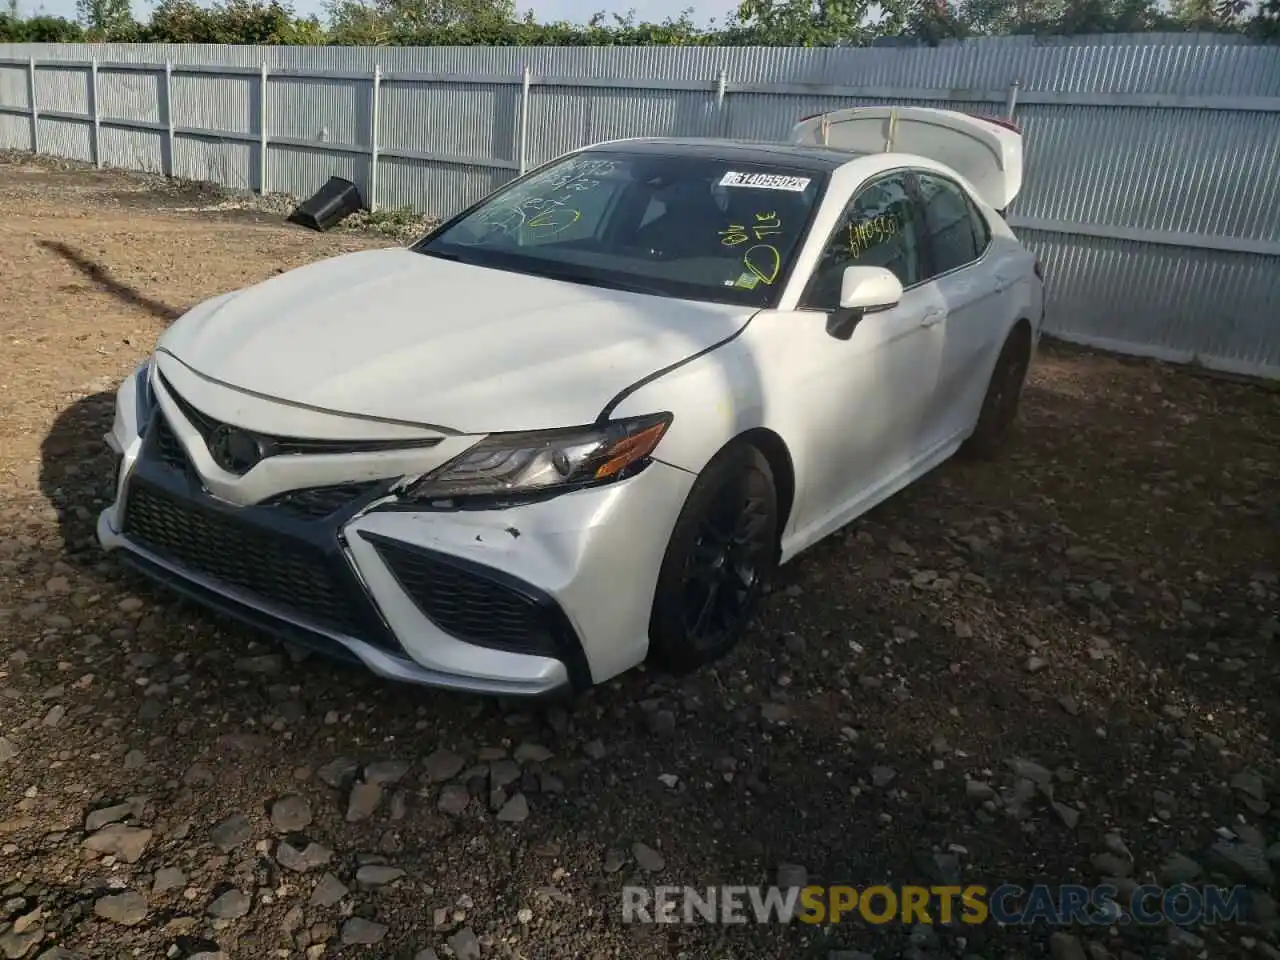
(764, 261)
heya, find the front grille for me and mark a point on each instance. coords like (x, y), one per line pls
(316, 503)
(167, 445)
(288, 573)
(205, 425)
(470, 606)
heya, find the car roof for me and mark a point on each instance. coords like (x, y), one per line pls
(806, 157)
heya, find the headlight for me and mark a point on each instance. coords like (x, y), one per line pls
(546, 460)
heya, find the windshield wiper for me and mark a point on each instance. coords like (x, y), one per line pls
(456, 258)
(629, 286)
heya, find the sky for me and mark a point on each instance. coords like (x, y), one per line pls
(574, 11)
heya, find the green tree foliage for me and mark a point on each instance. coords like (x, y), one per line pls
(106, 19)
(803, 23)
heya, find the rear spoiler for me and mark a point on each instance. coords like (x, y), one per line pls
(986, 151)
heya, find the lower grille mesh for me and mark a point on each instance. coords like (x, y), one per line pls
(471, 607)
(287, 573)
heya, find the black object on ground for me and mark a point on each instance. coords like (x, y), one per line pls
(325, 208)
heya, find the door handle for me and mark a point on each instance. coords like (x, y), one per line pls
(932, 318)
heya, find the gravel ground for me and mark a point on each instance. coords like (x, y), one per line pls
(1054, 668)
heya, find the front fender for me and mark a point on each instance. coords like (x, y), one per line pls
(712, 399)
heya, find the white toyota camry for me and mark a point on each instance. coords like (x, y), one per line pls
(578, 425)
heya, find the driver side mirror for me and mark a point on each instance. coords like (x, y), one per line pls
(863, 290)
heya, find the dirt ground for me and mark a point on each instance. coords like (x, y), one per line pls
(1059, 667)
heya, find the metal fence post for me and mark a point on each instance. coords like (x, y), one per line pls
(262, 130)
(35, 110)
(526, 79)
(722, 87)
(168, 116)
(375, 106)
(1011, 103)
(95, 113)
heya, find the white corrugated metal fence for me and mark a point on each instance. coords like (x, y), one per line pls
(1153, 180)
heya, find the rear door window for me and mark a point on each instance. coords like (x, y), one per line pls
(949, 224)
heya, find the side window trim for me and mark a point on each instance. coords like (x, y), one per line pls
(973, 210)
(909, 176)
(980, 218)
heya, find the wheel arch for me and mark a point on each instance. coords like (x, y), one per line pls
(775, 450)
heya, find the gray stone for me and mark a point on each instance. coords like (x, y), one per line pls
(1064, 946)
(166, 879)
(427, 954)
(8, 750)
(14, 945)
(515, 810)
(363, 801)
(312, 857)
(502, 773)
(792, 875)
(648, 859)
(1250, 784)
(127, 843)
(230, 906)
(127, 909)
(328, 891)
(882, 776)
(398, 806)
(614, 860)
(1029, 770)
(1070, 816)
(358, 931)
(377, 875)
(978, 790)
(1110, 865)
(532, 753)
(662, 723)
(100, 818)
(442, 765)
(265, 665)
(290, 814)
(339, 772)
(231, 832)
(386, 772)
(1241, 861)
(453, 799)
(1179, 868)
(465, 945)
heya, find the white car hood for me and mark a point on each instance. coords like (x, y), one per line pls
(397, 335)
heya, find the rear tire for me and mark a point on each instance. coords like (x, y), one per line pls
(722, 551)
(1004, 391)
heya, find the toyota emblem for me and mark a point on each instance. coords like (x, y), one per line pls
(235, 451)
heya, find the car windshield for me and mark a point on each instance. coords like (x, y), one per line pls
(679, 226)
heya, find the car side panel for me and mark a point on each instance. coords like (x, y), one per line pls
(837, 405)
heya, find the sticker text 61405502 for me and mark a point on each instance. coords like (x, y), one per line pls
(765, 181)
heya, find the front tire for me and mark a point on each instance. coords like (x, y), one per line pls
(722, 551)
(1004, 391)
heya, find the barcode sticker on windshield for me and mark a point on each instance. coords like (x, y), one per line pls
(764, 181)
